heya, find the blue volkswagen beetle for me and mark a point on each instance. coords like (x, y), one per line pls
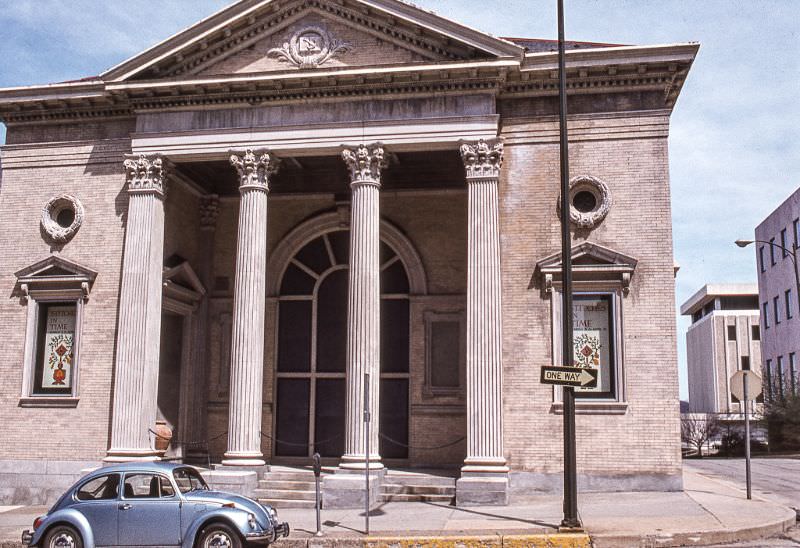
(153, 504)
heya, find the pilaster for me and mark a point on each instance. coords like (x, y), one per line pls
(139, 329)
(247, 342)
(484, 474)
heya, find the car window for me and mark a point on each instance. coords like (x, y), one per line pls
(188, 479)
(147, 486)
(100, 488)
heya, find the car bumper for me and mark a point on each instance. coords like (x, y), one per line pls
(27, 537)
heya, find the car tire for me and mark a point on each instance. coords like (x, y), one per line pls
(62, 536)
(218, 535)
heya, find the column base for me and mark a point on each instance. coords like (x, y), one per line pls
(358, 462)
(483, 483)
(239, 480)
(132, 455)
(243, 459)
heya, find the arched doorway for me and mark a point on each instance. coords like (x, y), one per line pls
(311, 350)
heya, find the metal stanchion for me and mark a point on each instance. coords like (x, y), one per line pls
(317, 474)
(367, 418)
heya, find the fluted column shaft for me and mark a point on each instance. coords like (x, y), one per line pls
(247, 342)
(139, 329)
(484, 320)
(364, 305)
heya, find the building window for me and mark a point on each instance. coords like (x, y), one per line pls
(784, 244)
(788, 304)
(765, 315)
(796, 233)
(779, 384)
(761, 262)
(55, 291)
(768, 379)
(731, 332)
(755, 333)
(745, 363)
(776, 310)
(772, 251)
(445, 360)
(793, 372)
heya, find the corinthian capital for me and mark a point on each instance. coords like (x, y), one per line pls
(482, 160)
(255, 169)
(365, 164)
(146, 174)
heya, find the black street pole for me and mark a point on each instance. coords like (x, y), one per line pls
(570, 520)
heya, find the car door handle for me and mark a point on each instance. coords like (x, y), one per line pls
(124, 507)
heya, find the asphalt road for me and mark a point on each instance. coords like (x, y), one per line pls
(773, 479)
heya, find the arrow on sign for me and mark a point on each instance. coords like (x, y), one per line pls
(570, 376)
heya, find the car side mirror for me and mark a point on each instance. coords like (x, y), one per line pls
(317, 465)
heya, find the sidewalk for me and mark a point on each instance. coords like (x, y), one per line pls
(710, 511)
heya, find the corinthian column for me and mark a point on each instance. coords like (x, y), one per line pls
(247, 342)
(484, 474)
(139, 329)
(364, 304)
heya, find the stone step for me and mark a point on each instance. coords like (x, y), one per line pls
(279, 504)
(394, 489)
(442, 499)
(269, 483)
(288, 476)
(419, 479)
(286, 494)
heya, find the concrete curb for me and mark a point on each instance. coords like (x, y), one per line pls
(555, 540)
(706, 538)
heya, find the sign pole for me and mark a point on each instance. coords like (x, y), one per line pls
(367, 419)
(747, 436)
(570, 520)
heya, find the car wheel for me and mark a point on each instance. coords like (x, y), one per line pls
(219, 535)
(62, 536)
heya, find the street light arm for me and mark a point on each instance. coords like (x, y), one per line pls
(791, 253)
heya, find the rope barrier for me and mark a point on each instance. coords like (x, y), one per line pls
(177, 442)
(418, 448)
(292, 444)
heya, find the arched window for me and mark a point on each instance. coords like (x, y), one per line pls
(312, 346)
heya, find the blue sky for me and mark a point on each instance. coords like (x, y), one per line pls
(735, 152)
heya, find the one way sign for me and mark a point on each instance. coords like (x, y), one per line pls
(570, 376)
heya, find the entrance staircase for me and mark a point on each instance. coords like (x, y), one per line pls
(285, 487)
(289, 487)
(418, 486)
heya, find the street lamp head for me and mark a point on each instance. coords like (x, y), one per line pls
(744, 243)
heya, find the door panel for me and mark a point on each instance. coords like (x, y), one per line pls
(148, 514)
(329, 419)
(292, 417)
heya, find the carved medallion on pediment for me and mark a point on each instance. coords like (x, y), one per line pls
(309, 48)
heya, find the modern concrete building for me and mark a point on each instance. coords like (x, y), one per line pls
(725, 337)
(777, 239)
(229, 231)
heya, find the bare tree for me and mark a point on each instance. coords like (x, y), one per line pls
(699, 428)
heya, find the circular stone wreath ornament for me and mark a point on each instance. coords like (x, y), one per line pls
(589, 201)
(62, 217)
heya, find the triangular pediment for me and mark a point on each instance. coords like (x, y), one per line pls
(279, 35)
(587, 256)
(184, 277)
(55, 267)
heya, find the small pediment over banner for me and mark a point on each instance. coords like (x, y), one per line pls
(55, 273)
(182, 288)
(590, 263)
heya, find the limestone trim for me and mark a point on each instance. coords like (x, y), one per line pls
(602, 196)
(365, 164)
(592, 263)
(55, 206)
(309, 47)
(482, 160)
(254, 169)
(52, 280)
(442, 133)
(330, 222)
(146, 174)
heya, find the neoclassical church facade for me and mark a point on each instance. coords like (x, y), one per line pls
(237, 242)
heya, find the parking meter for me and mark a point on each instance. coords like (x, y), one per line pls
(317, 474)
(317, 465)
